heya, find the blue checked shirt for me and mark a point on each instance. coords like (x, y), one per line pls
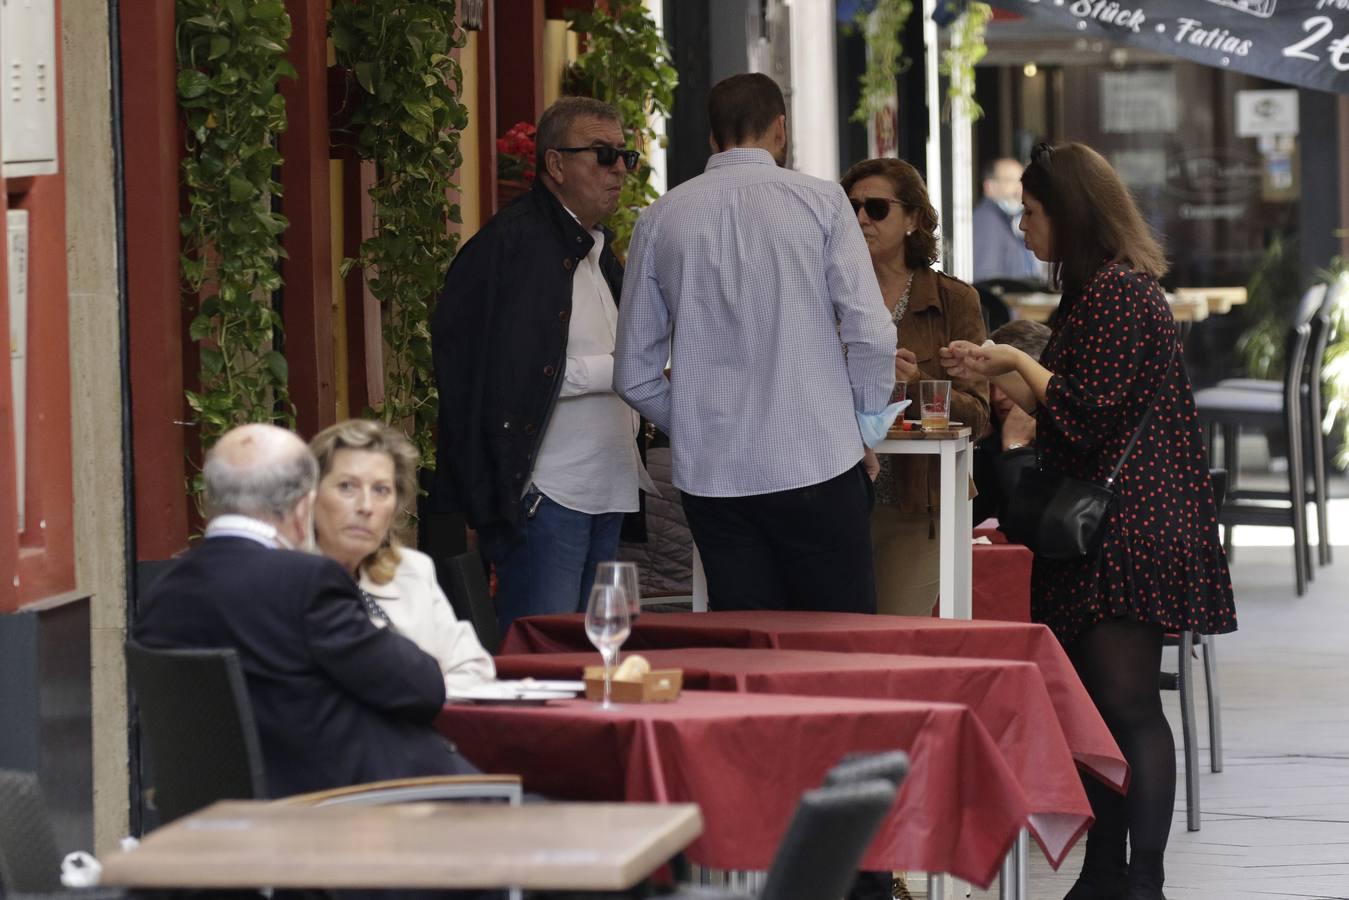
(751, 280)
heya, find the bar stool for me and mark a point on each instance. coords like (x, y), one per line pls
(1313, 411)
(1231, 408)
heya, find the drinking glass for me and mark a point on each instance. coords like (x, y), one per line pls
(607, 626)
(624, 575)
(935, 404)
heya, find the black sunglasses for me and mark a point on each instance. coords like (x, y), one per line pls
(877, 207)
(1042, 155)
(606, 156)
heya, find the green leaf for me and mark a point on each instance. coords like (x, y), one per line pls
(267, 9)
(364, 76)
(276, 364)
(212, 361)
(192, 83)
(201, 327)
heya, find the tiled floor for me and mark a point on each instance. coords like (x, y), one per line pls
(1276, 821)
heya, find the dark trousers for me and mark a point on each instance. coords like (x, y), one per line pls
(803, 549)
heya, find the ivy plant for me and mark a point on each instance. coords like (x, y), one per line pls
(406, 117)
(967, 46)
(231, 55)
(883, 26)
(627, 65)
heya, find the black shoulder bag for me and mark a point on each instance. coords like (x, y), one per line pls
(1061, 517)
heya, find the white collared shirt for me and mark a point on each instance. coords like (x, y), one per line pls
(588, 459)
(234, 525)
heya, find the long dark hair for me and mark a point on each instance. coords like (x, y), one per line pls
(1095, 220)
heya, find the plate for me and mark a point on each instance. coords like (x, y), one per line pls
(540, 684)
(509, 692)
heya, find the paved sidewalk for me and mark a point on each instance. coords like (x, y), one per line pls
(1276, 820)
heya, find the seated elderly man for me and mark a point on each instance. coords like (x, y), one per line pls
(337, 700)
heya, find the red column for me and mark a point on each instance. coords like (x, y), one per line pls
(519, 51)
(9, 511)
(487, 114)
(306, 203)
(152, 147)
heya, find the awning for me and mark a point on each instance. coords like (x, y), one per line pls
(1299, 42)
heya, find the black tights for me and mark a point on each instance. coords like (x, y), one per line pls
(1118, 661)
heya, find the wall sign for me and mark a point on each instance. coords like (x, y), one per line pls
(1301, 42)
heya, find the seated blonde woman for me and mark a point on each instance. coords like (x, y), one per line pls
(367, 475)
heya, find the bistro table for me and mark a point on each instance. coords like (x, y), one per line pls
(1008, 697)
(953, 447)
(1088, 738)
(1187, 306)
(545, 846)
(746, 761)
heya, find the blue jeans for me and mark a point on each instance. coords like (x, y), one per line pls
(547, 564)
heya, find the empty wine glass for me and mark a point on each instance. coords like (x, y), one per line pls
(624, 575)
(608, 625)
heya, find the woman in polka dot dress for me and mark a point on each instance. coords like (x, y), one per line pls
(1161, 566)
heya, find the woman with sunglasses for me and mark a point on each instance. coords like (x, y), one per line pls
(1113, 355)
(930, 310)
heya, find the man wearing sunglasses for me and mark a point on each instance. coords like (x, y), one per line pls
(536, 450)
(755, 282)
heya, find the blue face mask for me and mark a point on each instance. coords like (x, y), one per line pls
(874, 425)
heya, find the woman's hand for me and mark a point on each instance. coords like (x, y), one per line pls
(906, 366)
(963, 359)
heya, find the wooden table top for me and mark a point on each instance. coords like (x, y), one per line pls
(557, 846)
(1187, 304)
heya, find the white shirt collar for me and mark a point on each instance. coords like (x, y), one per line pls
(232, 525)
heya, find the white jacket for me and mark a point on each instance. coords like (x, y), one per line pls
(420, 611)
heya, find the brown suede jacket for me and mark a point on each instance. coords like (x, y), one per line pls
(941, 309)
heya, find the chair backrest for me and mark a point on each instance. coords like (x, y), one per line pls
(1337, 292)
(892, 766)
(416, 790)
(197, 723)
(464, 581)
(824, 843)
(1295, 356)
(30, 861)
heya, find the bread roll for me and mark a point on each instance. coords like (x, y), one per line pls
(634, 668)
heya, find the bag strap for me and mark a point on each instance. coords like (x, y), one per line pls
(1147, 417)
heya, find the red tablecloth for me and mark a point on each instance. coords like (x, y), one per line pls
(1008, 697)
(745, 760)
(1087, 735)
(1000, 582)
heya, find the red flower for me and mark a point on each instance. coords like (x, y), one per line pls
(515, 152)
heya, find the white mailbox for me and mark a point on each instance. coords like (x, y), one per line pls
(29, 90)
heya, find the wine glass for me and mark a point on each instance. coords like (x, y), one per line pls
(624, 575)
(608, 625)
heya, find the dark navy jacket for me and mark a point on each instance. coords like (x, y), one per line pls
(337, 700)
(499, 337)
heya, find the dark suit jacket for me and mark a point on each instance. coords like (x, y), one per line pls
(337, 700)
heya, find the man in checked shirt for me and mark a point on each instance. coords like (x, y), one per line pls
(752, 279)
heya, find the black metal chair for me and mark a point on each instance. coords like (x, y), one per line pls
(822, 846)
(1182, 680)
(1313, 408)
(196, 719)
(30, 860)
(464, 580)
(1229, 409)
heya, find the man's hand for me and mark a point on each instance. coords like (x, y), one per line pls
(963, 359)
(1018, 428)
(906, 366)
(871, 464)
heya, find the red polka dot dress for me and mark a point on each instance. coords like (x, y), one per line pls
(1160, 559)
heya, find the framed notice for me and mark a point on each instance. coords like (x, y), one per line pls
(1138, 101)
(1266, 113)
